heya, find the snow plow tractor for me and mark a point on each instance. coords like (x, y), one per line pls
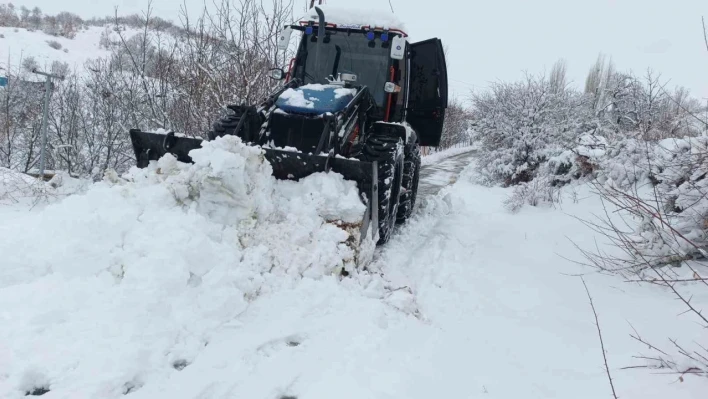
(357, 100)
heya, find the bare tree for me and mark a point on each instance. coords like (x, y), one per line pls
(456, 128)
(558, 78)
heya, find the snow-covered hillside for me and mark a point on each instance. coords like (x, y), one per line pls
(19, 43)
(214, 280)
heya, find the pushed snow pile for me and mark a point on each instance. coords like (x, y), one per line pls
(131, 276)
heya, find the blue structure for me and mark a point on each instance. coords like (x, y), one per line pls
(3, 81)
(325, 98)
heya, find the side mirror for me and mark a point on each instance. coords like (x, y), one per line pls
(398, 48)
(277, 74)
(284, 38)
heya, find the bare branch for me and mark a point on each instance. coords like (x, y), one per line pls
(705, 32)
(602, 344)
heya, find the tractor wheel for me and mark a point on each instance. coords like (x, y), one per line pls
(388, 151)
(411, 176)
(228, 124)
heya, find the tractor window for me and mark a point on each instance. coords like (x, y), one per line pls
(351, 53)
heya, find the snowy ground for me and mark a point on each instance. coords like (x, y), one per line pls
(127, 291)
(16, 44)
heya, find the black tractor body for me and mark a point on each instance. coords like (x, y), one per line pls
(356, 100)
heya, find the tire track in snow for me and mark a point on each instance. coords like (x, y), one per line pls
(433, 178)
(436, 176)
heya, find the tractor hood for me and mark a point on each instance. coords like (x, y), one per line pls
(315, 99)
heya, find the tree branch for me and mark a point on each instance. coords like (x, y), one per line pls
(602, 344)
(705, 33)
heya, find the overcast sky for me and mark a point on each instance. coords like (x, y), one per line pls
(492, 40)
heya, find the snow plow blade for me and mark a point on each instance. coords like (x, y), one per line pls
(286, 165)
(296, 165)
(153, 146)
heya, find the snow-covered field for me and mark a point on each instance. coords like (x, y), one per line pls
(20, 44)
(17, 44)
(213, 280)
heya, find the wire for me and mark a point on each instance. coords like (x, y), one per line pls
(391, 5)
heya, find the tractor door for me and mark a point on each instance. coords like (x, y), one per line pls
(427, 93)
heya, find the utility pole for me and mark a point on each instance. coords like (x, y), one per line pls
(45, 114)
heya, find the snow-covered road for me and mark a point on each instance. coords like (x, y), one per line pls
(435, 176)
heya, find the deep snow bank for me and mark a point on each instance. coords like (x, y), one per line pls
(133, 275)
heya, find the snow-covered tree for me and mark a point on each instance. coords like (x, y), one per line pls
(522, 124)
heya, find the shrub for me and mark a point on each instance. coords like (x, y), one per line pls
(54, 44)
(522, 126)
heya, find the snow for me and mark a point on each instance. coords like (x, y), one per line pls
(213, 279)
(21, 192)
(436, 157)
(591, 146)
(166, 257)
(343, 92)
(19, 43)
(315, 87)
(296, 98)
(15, 185)
(502, 303)
(376, 17)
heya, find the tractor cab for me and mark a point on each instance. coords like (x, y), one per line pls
(406, 82)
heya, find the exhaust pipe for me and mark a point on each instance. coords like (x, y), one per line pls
(320, 34)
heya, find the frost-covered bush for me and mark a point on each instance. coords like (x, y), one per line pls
(54, 44)
(616, 131)
(657, 216)
(15, 186)
(580, 161)
(676, 228)
(535, 192)
(522, 125)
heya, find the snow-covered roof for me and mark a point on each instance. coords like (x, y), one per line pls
(353, 17)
